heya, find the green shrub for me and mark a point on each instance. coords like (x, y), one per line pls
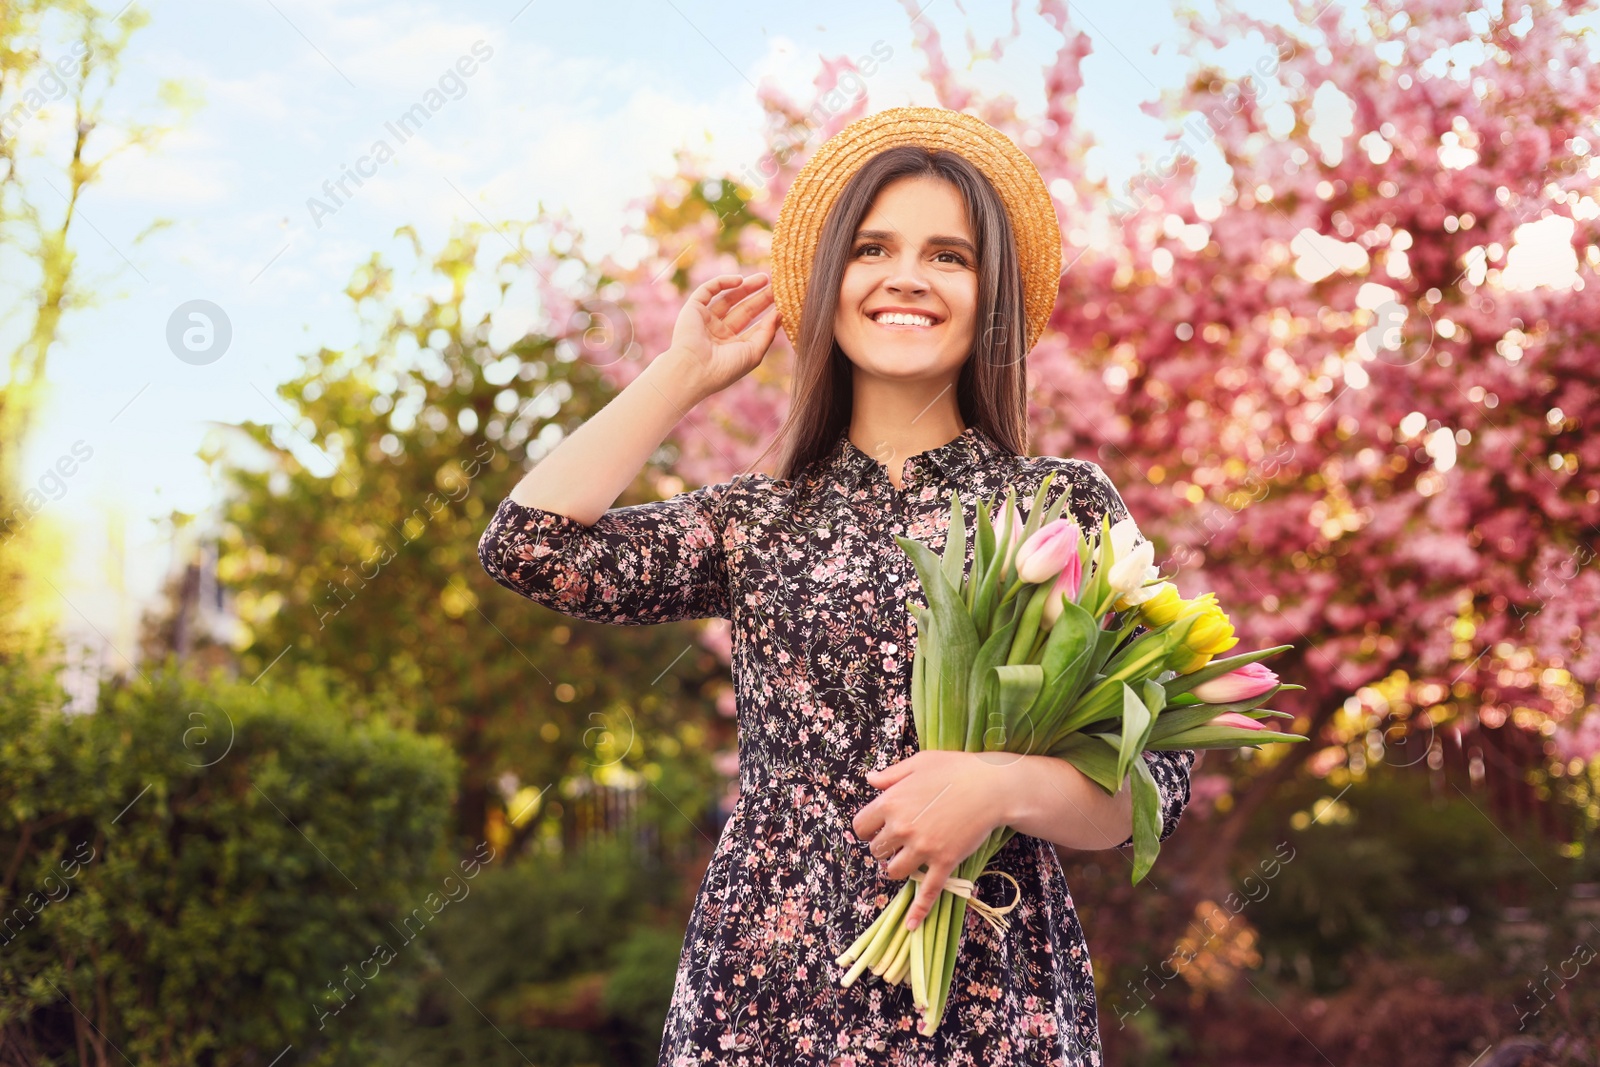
(557, 959)
(193, 872)
(1391, 869)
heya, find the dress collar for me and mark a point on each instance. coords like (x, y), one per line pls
(968, 450)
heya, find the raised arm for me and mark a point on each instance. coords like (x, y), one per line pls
(585, 473)
(557, 540)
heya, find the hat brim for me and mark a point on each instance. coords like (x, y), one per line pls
(1013, 175)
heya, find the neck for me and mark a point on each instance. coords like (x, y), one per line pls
(893, 421)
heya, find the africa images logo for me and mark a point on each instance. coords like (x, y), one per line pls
(403, 129)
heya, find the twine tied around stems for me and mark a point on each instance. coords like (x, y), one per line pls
(967, 887)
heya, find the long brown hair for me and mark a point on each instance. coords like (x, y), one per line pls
(992, 388)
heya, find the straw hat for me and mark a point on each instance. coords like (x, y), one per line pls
(1009, 170)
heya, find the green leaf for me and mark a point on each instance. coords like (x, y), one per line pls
(1066, 659)
(981, 687)
(1144, 653)
(1017, 687)
(1056, 506)
(1221, 737)
(1135, 720)
(919, 669)
(1178, 719)
(1098, 583)
(993, 572)
(982, 552)
(955, 545)
(1035, 514)
(1146, 820)
(1105, 643)
(1028, 619)
(1097, 761)
(957, 647)
(1183, 716)
(1155, 698)
(1104, 695)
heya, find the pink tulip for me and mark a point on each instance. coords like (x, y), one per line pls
(1248, 681)
(1067, 583)
(1233, 718)
(1042, 556)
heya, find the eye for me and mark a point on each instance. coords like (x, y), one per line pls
(955, 257)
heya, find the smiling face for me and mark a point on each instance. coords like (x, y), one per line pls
(908, 298)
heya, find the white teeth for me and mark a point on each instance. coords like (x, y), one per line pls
(902, 319)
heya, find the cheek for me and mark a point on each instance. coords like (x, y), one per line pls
(964, 313)
(963, 328)
(853, 289)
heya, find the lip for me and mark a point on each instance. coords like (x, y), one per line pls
(937, 320)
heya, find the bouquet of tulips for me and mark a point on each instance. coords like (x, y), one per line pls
(1034, 652)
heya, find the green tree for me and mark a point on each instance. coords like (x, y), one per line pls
(59, 65)
(354, 545)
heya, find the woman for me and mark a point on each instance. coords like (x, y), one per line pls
(911, 228)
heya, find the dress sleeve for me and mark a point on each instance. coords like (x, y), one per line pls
(1094, 495)
(646, 563)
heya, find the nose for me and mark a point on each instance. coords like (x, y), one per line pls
(907, 276)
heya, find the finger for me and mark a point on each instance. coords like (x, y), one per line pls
(769, 327)
(868, 822)
(883, 779)
(742, 285)
(892, 859)
(885, 846)
(751, 307)
(714, 285)
(733, 294)
(764, 329)
(927, 893)
(765, 322)
(881, 858)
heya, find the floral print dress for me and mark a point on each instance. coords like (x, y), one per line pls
(808, 573)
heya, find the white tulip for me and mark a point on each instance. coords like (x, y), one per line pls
(1124, 535)
(1143, 593)
(1129, 571)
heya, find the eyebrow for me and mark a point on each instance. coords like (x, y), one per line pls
(937, 239)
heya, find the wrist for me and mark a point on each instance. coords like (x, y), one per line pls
(1018, 783)
(679, 372)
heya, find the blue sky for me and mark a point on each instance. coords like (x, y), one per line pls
(575, 106)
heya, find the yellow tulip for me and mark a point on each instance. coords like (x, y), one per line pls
(1211, 633)
(1166, 606)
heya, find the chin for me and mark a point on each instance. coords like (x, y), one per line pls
(908, 366)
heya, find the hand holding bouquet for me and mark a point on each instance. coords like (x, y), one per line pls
(1034, 652)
